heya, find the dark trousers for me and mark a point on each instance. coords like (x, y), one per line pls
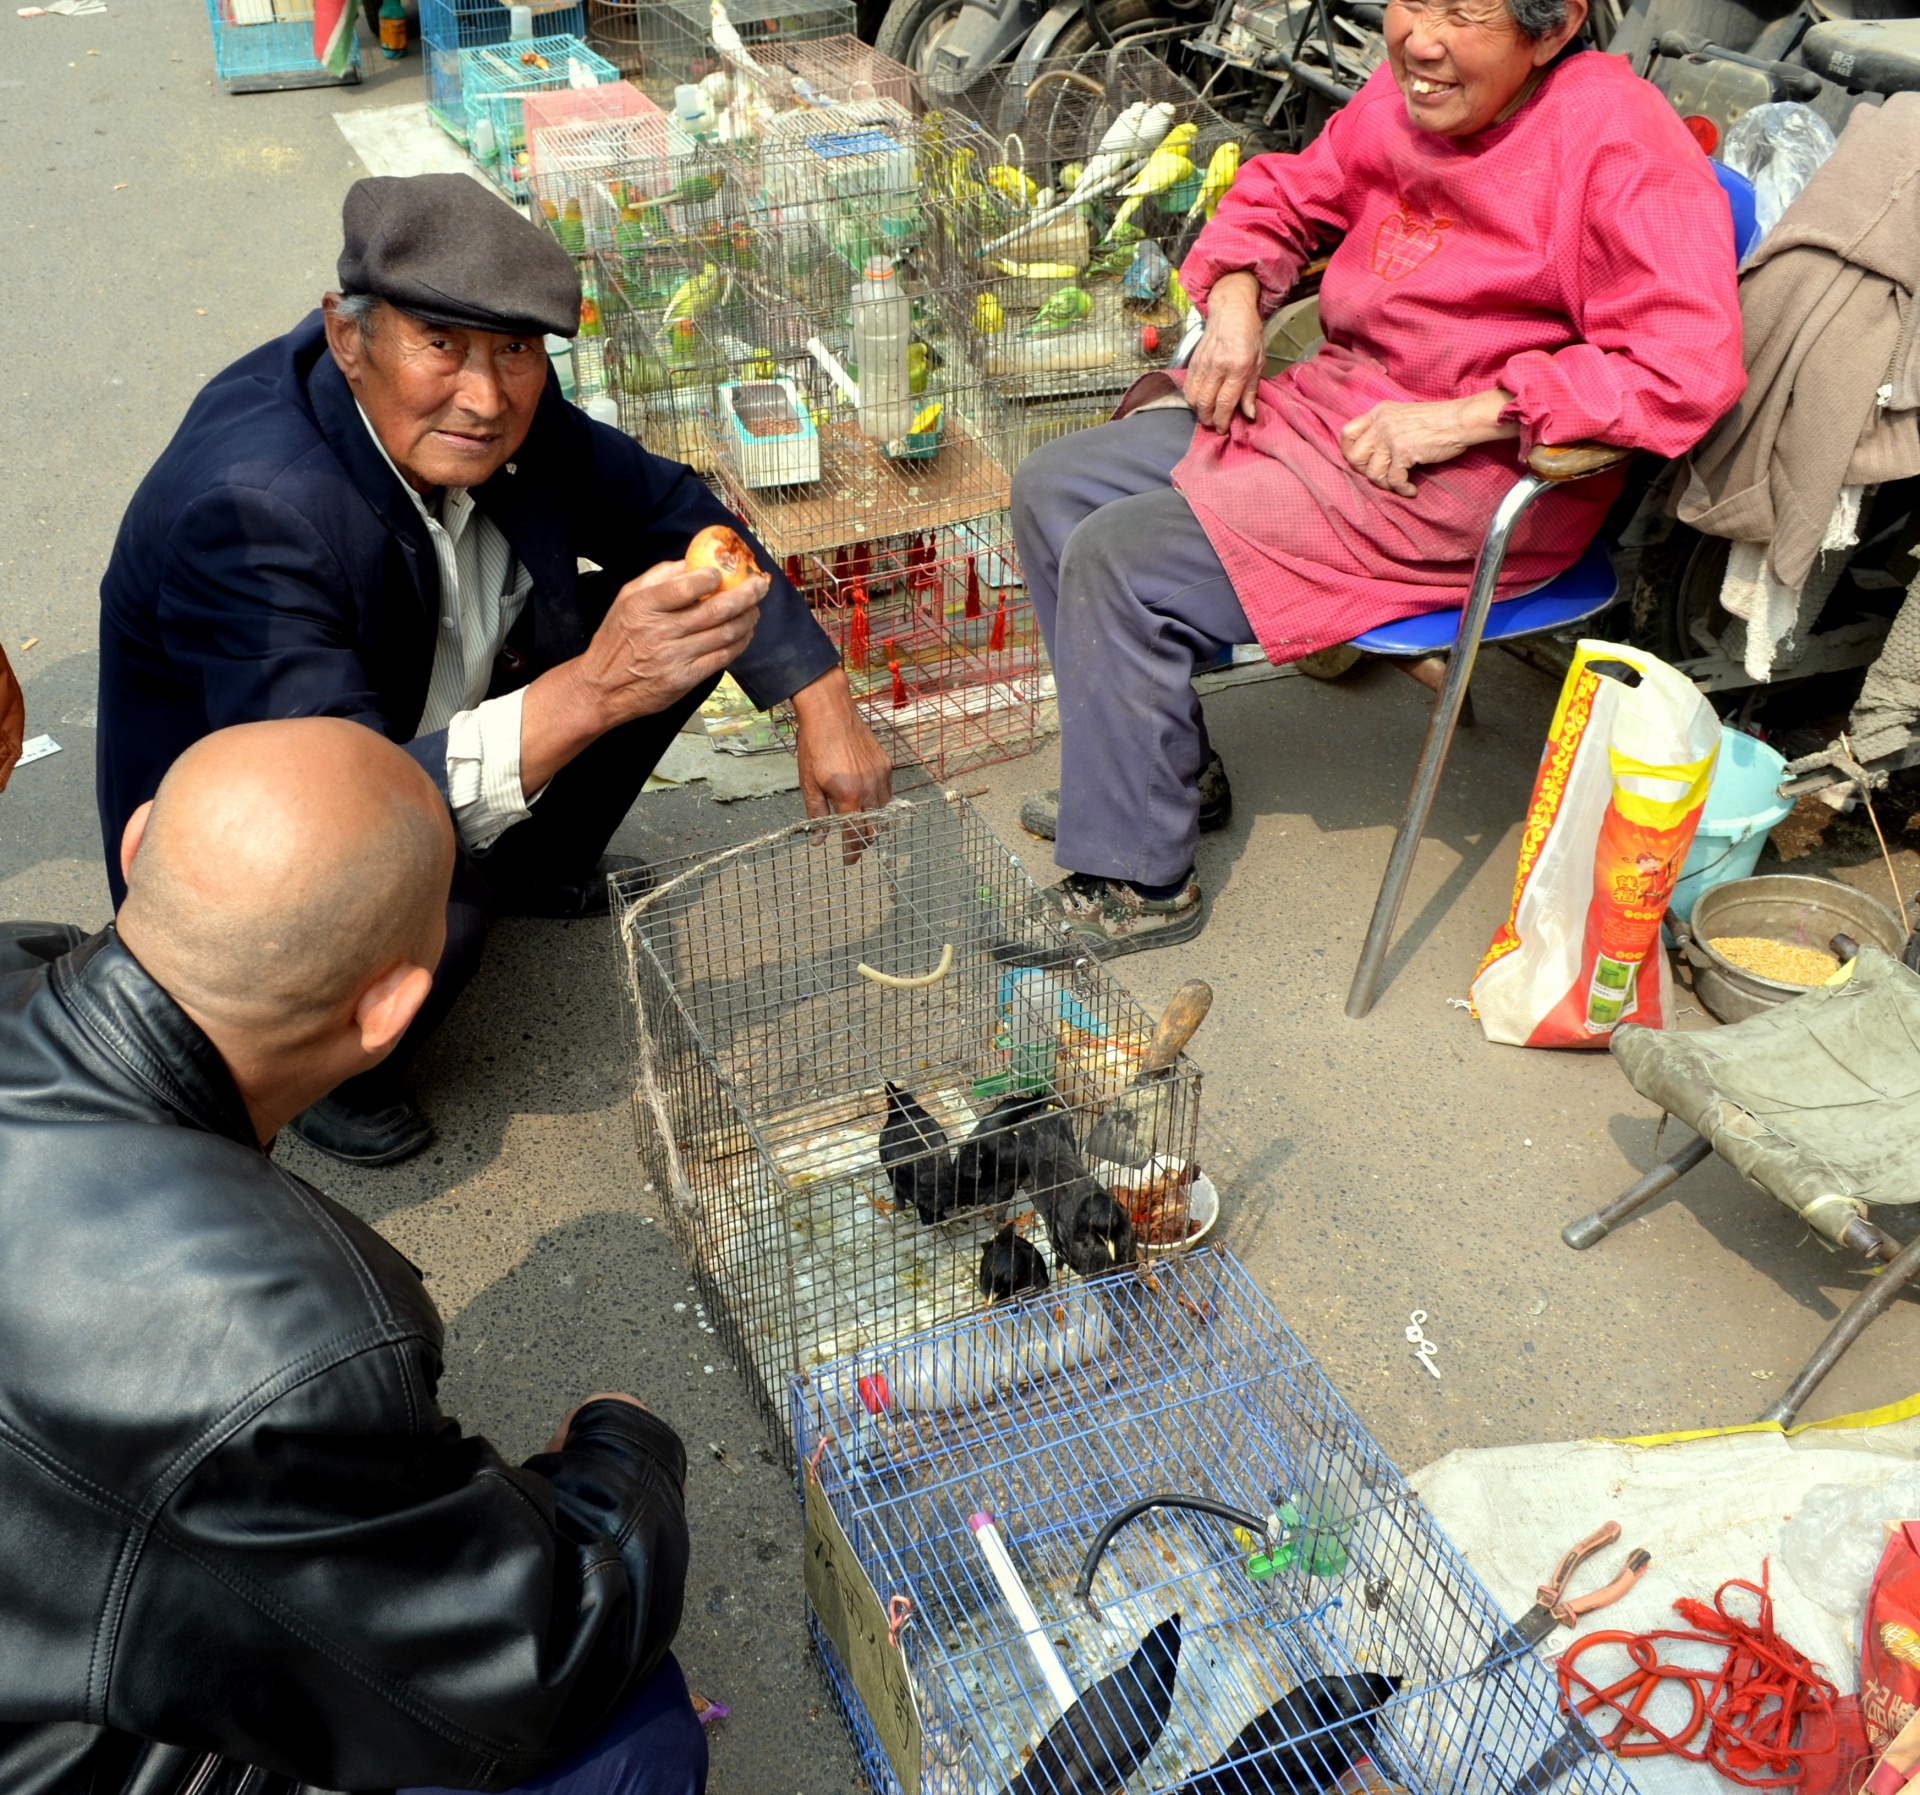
(560, 843)
(1130, 597)
(654, 1746)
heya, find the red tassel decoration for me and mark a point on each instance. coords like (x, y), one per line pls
(998, 640)
(842, 575)
(973, 589)
(859, 642)
(899, 684)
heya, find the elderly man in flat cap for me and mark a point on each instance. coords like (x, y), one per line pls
(390, 514)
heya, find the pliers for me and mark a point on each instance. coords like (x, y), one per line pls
(1555, 1608)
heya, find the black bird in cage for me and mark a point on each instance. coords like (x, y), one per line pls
(1105, 1736)
(1086, 1226)
(917, 1157)
(1010, 1266)
(988, 1163)
(1302, 1765)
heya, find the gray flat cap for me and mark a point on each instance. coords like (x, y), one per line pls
(444, 250)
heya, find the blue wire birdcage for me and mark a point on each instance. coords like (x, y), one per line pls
(265, 46)
(494, 83)
(1185, 1381)
(449, 26)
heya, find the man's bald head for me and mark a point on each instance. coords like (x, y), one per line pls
(283, 866)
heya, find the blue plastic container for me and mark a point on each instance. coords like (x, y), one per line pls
(1743, 804)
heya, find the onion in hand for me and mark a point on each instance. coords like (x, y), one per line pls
(725, 552)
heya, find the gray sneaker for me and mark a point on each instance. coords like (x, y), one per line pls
(1108, 917)
(1040, 811)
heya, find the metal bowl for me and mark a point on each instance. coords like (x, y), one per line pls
(1792, 907)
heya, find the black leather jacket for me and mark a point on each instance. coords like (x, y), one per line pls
(241, 1548)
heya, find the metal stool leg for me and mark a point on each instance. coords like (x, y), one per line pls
(1860, 1313)
(1433, 753)
(1589, 1230)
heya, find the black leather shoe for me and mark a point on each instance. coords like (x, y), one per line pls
(363, 1137)
(584, 897)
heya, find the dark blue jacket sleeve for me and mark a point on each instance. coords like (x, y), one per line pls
(256, 612)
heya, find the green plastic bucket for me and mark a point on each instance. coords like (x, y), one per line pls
(1743, 804)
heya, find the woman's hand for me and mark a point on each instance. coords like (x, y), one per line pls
(1225, 372)
(1390, 441)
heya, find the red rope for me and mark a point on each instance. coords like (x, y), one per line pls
(1767, 1707)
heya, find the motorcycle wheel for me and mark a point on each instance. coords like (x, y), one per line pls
(1681, 581)
(911, 29)
(1122, 18)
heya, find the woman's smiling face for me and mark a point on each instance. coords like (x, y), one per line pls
(1463, 64)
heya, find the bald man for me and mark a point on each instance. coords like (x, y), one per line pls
(243, 1548)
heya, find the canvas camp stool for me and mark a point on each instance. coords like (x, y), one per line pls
(1817, 1101)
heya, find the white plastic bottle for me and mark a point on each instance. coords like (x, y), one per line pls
(882, 335)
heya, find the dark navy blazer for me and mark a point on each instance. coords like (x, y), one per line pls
(272, 565)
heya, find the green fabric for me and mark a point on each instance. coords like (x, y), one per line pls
(1817, 1101)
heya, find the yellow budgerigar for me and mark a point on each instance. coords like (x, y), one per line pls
(1168, 166)
(1222, 166)
(1018, 186)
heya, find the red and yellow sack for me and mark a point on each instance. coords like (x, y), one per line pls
(1890, 1662)
(1617, 799)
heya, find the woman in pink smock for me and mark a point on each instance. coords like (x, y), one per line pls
(1532, 249)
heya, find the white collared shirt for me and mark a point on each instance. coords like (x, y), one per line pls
(483, 589)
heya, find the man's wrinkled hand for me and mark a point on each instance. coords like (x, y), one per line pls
(13, 720)
(1387, 443)
(842, 768)
(1224, 375)
(667, 632)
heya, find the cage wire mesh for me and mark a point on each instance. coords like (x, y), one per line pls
(263, 46)
(666, 44)
(495, 81)
(447, 27)
(938, 641)
(836, 70)
(1052, 1418)
(1062, 304)
(762, 1055)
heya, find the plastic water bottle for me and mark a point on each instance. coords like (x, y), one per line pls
(519, 23)
(882, 335)
(603, 410)
(560, 357)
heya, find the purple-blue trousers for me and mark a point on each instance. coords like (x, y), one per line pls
(1130, 597)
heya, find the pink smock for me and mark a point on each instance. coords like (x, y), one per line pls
(1578, 255)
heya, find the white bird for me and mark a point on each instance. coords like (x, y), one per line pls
(1132, 135)
(727, 40)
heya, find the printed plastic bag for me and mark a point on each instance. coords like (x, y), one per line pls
(1615, 805)
(1890, 1650)
(1777, 147)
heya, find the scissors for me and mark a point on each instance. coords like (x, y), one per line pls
(1634, 1736)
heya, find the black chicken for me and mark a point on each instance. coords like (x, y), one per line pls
(917, 1158)
(1105, 1736)
(1010, 1266)
(1301, 1764)
(988, 1163)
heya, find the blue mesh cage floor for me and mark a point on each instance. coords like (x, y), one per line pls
(274, 51)
(1187, 1381)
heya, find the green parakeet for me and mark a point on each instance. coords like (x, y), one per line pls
(1061, 312)
(695, 296)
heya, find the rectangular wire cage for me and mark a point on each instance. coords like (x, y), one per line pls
(663, 44)
(763, 1046)
(937, 639)
(1062, 305)
(449, 26)
(495, 81)
(1188, 1383)
(831, 71)
(266, 46)
(843, 303)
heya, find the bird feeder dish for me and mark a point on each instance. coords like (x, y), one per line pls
(770, 432)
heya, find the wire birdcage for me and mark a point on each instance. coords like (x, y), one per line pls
(1054, 1418)
(266, 46)
(835, 71)
(766, 1036)
(449, 26)
(495, 81)
(664, 44)
(938, 641)
(1064, 303)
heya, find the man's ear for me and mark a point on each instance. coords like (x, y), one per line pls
(343, 338)
(388, 1004)
(132, 836)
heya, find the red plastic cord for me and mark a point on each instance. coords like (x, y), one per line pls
(1767, 1707)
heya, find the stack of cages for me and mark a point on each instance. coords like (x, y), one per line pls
(266, 46)
(889, 986)
(448, 27)
(860, 442)
(938, 640)
(665, 45)
(1310, 1630)
(578, 142)
(495, 83)
(1064, 302)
